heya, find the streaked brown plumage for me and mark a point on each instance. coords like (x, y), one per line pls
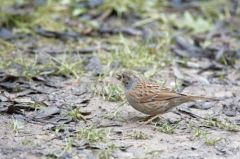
(149, 97)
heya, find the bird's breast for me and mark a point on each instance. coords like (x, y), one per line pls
(134, 102)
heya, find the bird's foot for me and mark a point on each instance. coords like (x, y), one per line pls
(149, 119)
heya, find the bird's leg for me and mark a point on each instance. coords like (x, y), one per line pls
(149, 119)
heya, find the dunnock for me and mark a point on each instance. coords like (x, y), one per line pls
(149, 97)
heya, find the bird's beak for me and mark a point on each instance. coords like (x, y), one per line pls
(119, 77)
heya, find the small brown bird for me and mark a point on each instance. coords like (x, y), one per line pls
(150, 97)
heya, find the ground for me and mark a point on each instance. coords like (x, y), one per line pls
(60, 98)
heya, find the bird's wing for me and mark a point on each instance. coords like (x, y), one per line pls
(159, 97)
(149, 92)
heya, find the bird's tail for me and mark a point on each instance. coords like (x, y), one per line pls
(193, 98)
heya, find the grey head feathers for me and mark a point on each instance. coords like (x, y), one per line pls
(129, 79)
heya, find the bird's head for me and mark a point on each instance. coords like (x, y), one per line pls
(129, 78)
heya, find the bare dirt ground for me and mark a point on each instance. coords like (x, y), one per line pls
(194, 130)
(59, 97)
